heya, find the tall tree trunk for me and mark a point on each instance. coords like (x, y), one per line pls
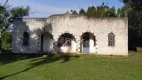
(0, 41)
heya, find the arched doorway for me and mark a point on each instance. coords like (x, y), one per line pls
(88, 43)
(67, 43)
(46, 42)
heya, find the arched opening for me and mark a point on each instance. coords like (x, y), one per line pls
(67, 43)
(25, 39)
(111, 39)
(88, 43)
(46, 42)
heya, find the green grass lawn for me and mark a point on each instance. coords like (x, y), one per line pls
(77, 67)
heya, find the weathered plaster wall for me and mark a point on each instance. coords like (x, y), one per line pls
(33, 27)
(47, 42)
(75, 25)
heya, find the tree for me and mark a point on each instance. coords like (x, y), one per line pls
(82, 12)
(134, 14)
(134, 22)
(98, 11)
(91, 12)
(119, 12)
(111, 12)
(101, 10)
(124, 11)
(74, 12)
(6, 39)
(134, 3)
(8, 14)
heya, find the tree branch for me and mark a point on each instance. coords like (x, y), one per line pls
(5, 2)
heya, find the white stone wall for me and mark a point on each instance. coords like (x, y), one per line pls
(75, 25)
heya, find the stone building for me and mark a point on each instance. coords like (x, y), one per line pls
(71, 34)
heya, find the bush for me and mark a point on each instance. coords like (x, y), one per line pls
(6, 40)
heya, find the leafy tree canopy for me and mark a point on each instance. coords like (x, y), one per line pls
(8, 14)
(74, 12)
(137, 4)
(82, 12)
(97, 11)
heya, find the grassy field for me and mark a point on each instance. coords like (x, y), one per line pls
(77, 67)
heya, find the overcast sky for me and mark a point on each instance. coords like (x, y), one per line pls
(45, 8)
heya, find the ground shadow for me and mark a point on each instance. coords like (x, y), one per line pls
(9, 57)
(45, 60)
